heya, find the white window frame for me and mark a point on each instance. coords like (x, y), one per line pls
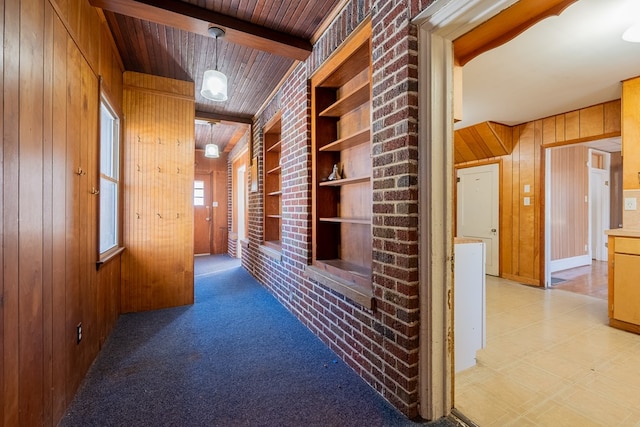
(110, 176)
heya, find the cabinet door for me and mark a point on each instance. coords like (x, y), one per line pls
(626, 298)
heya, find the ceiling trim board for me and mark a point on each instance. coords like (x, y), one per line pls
(195, 19)
(217, 117)
(505, 26)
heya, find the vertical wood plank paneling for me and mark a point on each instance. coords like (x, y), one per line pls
(30, 213)
(48, 122)
(47, 217)
(2, 207)
(572, 125)
(74, 170)
(157, 268)
(11, 153)
(2, 278)
(2, 353)
(59, 177)
(538, 197)
(517, 205)
(592, 121)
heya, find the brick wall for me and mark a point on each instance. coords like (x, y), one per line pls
(380, 345)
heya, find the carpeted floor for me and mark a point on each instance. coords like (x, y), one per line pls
(234, 358)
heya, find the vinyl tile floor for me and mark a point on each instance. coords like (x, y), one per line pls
(550, 360)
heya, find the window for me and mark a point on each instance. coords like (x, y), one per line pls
(198, 193)
(109, 177)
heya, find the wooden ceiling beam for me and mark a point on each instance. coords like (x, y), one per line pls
(223, 118)
(195, 19)
(237, 136)
(505, 26)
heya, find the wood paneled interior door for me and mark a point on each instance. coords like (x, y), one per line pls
(202, 213)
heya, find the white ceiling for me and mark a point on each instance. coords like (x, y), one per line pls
(561, 64)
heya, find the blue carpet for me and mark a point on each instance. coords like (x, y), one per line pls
(235, 358)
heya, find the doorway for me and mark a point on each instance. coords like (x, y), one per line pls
(239, 203)
(241, 177)
(600, 202)
(202, 215)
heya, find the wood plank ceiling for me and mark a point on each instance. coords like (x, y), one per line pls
(168, 38)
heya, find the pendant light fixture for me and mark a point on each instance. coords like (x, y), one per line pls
(211, 149)
(214, 83)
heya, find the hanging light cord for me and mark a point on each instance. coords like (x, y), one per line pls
(216, 39)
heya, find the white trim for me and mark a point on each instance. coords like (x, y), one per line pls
(547, 218)
(439, 24)
(567, 263)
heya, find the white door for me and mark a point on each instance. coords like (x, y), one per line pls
(478, 208)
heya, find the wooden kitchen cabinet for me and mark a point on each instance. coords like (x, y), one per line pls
(624, 286)
(631, 134)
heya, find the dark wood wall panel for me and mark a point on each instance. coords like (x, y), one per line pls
(158, 210)
(48, 220)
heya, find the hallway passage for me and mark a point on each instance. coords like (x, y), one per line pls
(234, 358)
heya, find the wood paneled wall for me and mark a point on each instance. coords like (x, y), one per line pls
(157, 267)
(48, 221)
(522, 227)
(569, 207)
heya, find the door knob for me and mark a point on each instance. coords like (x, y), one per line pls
(493, 230)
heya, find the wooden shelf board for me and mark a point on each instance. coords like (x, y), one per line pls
(350, 141)
(349, 102)
(275, 148)
(345, 181)
(350, 283)
(365, 221)
(272, 248)
(275, 171)
(348, 266)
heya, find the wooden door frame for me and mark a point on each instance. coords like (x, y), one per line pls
(238, 161)
(485, 24)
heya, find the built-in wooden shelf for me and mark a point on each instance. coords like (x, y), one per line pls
(275, 171)
(345, 181)
(272, 139)
(275, 147)
(341, 135)
(349, 101)
(350, 141)
(339, 219)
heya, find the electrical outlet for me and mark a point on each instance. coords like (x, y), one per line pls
(79, 332)
(630, 204)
